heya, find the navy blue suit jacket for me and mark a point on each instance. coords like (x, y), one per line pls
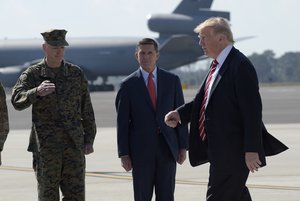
(138, 122)
(233, 118)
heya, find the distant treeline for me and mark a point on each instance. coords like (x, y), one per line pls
(283, 69)
(269, 69)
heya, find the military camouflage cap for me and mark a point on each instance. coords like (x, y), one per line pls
(55, 37)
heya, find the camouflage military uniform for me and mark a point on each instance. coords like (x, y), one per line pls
(4, 126)
(62, 123)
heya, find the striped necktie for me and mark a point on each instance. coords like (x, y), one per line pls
(202, 117)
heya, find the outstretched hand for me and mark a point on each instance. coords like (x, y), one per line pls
(172, 119)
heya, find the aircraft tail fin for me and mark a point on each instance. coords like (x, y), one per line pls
(191, 7)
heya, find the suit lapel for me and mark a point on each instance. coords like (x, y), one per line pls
(221, 72)
(160, 83)
(214, 85)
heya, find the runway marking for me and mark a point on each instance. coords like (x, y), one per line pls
(179, 181)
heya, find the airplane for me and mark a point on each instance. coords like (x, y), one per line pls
(103, 57)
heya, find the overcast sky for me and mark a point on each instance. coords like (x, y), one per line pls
(274, 23)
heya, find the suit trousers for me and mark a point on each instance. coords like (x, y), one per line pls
(158, 173)
(228, 186)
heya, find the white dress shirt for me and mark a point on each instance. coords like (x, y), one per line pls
(220, 59)
(154, 76)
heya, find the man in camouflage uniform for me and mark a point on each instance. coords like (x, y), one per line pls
(4, 126)
(63, 122)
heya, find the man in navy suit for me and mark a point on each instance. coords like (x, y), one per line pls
(146, 145)
(230, 132)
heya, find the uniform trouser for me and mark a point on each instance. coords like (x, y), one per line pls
(62, 169)
(159, 173)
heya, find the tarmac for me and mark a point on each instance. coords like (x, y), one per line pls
(106, 180)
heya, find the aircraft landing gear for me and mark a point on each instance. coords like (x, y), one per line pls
(94, 86)
(101, 87)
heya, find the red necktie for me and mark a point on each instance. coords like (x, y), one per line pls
(201, 120)
(151, 89)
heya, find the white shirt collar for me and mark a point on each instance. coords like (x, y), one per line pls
(223, 55)
(146, 74)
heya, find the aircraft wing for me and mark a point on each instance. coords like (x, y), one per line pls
(179, 43)
(181, 50)
(9, 74)
(243, 38)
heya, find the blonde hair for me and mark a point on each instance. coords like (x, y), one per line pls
(219, 25)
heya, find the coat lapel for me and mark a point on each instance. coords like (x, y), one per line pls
(159, 90)
(221, 72)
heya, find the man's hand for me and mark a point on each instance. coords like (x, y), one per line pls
(45, 88)
(126, 163)
(252, 161)
(181, 156)
(88, 149)
(172, 119)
